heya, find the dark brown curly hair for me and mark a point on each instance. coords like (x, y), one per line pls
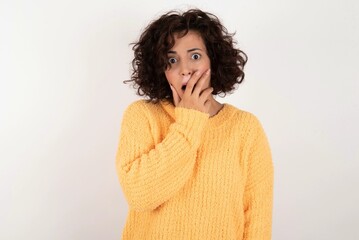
(151, 60)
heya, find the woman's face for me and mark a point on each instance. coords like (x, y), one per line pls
(187, 56)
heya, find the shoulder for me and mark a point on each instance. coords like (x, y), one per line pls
(244, 117)
(142, 106)
(142, 110)
(138, 105)
(247, 122)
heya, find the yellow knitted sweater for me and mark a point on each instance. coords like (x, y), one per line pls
(187, 176)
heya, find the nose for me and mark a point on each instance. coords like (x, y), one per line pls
(186, 69)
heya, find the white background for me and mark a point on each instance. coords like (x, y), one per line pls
(62, 64)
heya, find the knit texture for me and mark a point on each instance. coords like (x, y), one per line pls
(188, 176)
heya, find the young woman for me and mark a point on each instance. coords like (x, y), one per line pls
(191, 167)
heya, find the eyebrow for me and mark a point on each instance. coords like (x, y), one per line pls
(189, 50)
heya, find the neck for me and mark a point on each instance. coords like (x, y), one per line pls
(215, 107)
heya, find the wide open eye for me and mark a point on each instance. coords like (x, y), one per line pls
(172, 60)
(196, 56)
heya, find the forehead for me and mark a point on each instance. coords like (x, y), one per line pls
(191, 40)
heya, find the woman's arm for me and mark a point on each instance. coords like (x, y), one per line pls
(258, 196)
(151, 174)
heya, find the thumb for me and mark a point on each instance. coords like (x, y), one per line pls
(176, 98)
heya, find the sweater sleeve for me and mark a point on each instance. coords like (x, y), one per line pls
(150, 173)
(258, 196)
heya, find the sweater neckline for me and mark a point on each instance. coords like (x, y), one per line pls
(223, 114)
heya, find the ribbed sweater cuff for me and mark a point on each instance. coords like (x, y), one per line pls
(192, 121)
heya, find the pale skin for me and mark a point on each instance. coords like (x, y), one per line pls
(190, 66)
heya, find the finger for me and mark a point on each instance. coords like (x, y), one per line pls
(175, 96)
(201, 82)
(192, 81)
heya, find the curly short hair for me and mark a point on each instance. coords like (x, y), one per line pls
(151, 60)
